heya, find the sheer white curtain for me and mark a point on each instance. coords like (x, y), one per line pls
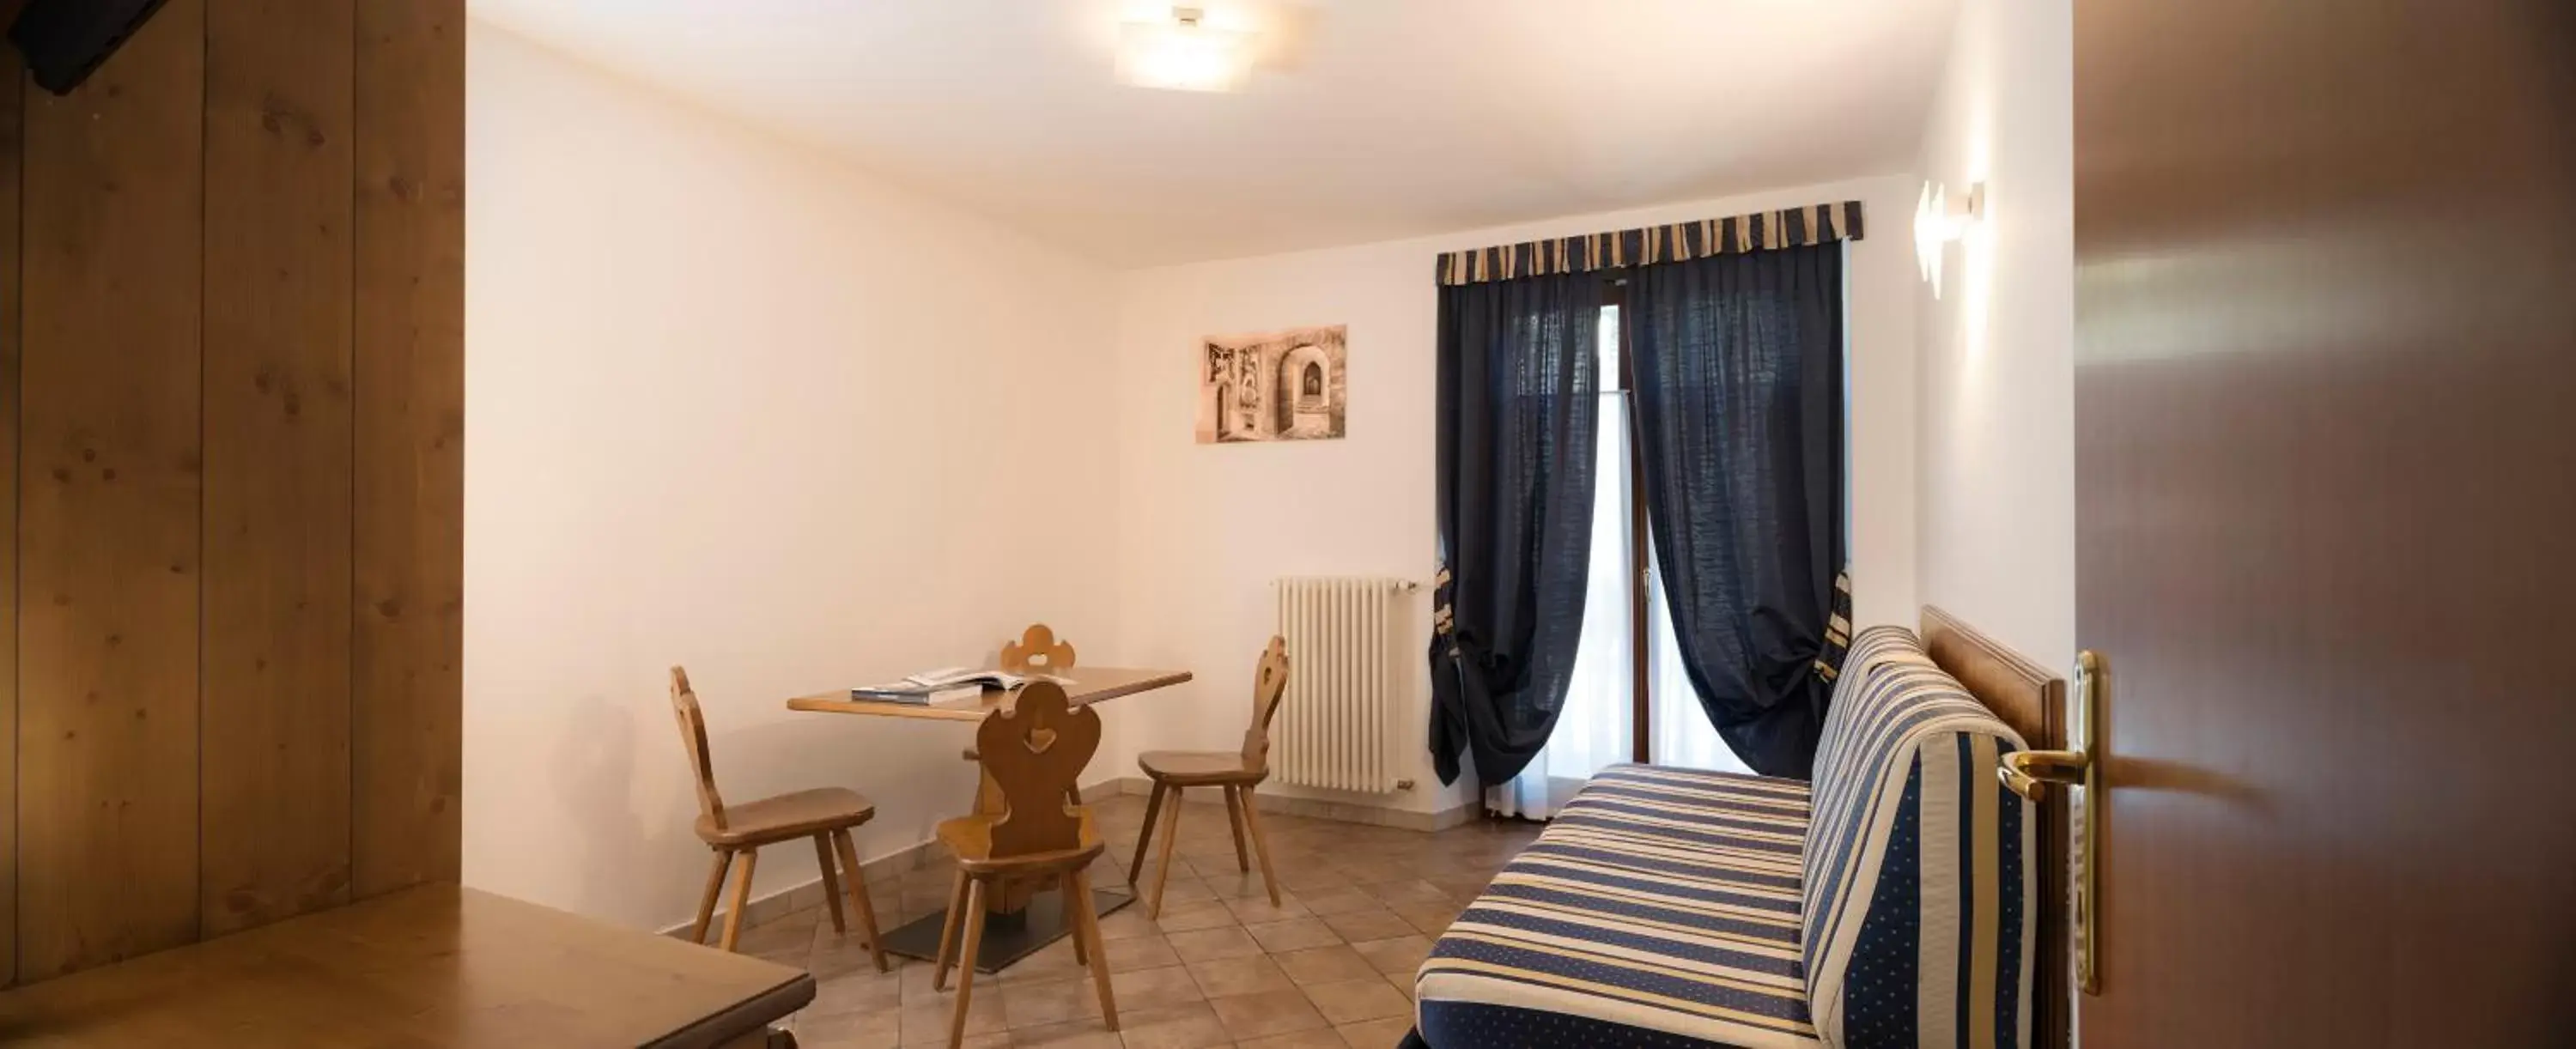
(1594, 730)
(1597, 727)
(1682, 733)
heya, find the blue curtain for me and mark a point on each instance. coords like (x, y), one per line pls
(1739, 387)
(1519, 414)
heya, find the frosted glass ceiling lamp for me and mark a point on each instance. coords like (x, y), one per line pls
(1936, 224)
(1184, 53)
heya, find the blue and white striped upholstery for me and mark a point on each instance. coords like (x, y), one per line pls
(1918, 875)
(1675, 908)
(1659, 908)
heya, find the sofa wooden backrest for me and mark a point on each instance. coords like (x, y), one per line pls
(2032, 699)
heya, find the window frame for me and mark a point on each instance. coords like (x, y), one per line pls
(1640, 644)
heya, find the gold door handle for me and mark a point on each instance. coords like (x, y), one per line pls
(2029, 772)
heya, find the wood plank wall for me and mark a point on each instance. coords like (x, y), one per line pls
(13, 75)
(231, 475)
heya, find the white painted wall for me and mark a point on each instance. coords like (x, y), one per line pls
(1201, 530)
(1998, 473)
(735, 406)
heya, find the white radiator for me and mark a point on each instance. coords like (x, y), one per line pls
(1335, 724)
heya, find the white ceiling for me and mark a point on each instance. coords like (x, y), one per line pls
(1376, 119)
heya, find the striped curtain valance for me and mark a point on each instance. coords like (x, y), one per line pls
(1760, 231)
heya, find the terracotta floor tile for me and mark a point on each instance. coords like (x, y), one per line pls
(1231, 885)
(791, 936)
(1213, 944)
(1325, 965)
(1051, 962)
(866, 1030)
(1183, 890)
(1129, 921)
(1039, 1004)
(1429, 919)
(1319, 1038)
(1358, 926)
(1409, 890)
(1215, 864)
(928, 1024)
(1352, 1001)
(843, 955)
(915, 978)
(1076, 1034)
(1253, 910)
(1311, 878)
(1295, 934)
(1192, 1026)
(1190, 917)
(1342, 900)
(1463, 887)
(1400, 954)
(1260, 1015)
(1232, 977)
(1161, 988)
(854, 992)
(1139, 952)
(1376, 1034)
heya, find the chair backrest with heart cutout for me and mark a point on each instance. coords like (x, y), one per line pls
(1035, 750)
(1037, 649)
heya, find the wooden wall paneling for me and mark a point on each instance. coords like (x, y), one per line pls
(12, 119)
(112, 212)
(410, 447)
(276, 772)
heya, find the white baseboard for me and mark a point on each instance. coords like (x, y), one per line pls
(1317, 808)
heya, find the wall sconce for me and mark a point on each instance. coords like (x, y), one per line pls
(1938, 221)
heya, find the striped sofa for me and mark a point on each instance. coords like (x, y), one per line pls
(1884, 904)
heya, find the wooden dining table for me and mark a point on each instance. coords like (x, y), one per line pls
(1019, 922)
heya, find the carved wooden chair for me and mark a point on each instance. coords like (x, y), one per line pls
(1237, 773)
(1037, 650)
(1035, 749)
(824, 814)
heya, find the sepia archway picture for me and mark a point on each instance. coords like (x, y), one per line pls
(1285, 386)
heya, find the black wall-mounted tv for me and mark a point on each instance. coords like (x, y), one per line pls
(65, 40)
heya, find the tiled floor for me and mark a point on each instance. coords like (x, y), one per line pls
(1330, 966)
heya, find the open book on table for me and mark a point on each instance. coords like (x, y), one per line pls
(931, 686)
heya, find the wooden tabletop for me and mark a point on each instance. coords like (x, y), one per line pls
(1082, 685)
(432, 966)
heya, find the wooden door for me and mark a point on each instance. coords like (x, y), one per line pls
(2326, 517)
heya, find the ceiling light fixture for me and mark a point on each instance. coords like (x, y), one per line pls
(1184, 53)
(1936, 225)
